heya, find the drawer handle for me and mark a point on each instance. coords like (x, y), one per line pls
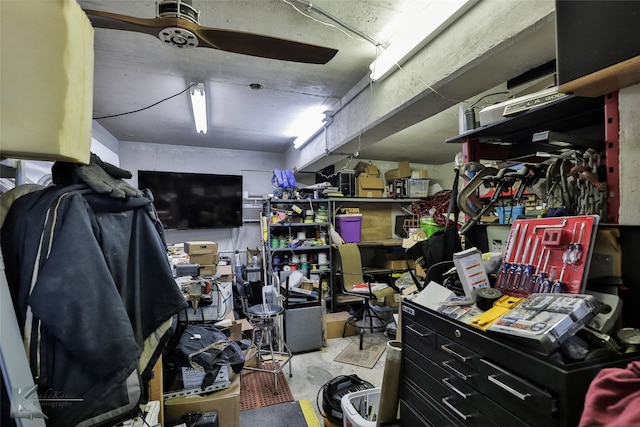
(505, 387)
(454, 370)
(446, 349)
(446, 382)
(445, 402)
(420, 334)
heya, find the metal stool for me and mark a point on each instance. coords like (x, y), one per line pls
(265, 337)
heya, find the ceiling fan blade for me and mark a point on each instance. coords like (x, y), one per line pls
(264, 46)
(229, 41)
(114, 21)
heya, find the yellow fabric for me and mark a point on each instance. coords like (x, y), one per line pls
(351, 265)
(352, 271)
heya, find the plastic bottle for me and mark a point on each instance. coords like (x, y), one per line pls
(237, 267)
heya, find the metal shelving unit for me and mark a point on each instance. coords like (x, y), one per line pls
(290, 252)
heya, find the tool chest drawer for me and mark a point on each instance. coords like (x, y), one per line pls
(451, 390)
(516, 394)
(411, 417)
(421, 338)
(423, 407)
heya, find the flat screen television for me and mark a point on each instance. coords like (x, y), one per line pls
(195, 200)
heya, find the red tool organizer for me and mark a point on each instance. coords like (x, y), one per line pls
(547, 255)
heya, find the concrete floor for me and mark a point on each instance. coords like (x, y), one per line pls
(313, 369)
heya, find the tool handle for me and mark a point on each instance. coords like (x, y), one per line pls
(535, 249)
(511, 243)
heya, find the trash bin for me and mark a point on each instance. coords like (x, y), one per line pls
(360, 408)
(349, 227)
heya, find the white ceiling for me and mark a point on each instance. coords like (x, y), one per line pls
(134, 70)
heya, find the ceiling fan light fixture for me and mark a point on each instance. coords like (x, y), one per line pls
(178, 37)
(416, 34)
(199, 107)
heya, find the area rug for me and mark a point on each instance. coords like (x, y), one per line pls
(291, 414)
(366, 358)
(256, 389)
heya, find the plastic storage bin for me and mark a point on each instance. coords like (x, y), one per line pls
(360, 408)
(507, 214)
(349, 227)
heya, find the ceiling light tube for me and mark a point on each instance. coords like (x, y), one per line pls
(199, 107)
(313, 129)
(425, 27)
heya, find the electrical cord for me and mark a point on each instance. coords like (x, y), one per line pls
(147, 107)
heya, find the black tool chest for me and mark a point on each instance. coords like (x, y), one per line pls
(456, 375)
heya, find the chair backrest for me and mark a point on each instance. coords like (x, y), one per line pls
(350, 265)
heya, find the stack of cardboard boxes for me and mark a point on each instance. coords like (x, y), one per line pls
(403, 182)
(369, 182)
(205, 253)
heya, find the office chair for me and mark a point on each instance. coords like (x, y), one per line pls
(352, 275)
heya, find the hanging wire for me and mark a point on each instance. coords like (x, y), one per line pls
(147, 107)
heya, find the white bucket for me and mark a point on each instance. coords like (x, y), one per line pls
(368, 399)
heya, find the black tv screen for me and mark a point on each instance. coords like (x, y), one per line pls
(195, 200)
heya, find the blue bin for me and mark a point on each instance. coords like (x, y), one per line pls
(507, 214)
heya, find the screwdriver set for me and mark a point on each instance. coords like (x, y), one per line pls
(547, 255)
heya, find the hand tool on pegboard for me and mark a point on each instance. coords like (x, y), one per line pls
(543, 274)
(558, 286)
(568, 255)
(512, 285)
(502, 273)
(513, 265)
(577, 254)
(524, 284)
(545, 286)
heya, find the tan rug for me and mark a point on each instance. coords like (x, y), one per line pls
(366, 358)
(257, 389)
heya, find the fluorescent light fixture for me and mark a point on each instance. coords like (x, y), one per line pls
(199, 107)
(416, 34)
(308, 124)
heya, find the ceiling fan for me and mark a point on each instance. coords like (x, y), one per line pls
(178, 24)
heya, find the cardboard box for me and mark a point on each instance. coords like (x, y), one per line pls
(225, 402)
(310, 285)
(334, 325)
(207, 270)
(403, 171)
(370, 186)
(420, 174)
(225, 270)
(203, 259)
(372, 170)
(398, 264)
(227, 278)
(204, 247)
(368, 168)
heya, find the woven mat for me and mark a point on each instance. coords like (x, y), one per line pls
(366, 358)
(257, 389)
